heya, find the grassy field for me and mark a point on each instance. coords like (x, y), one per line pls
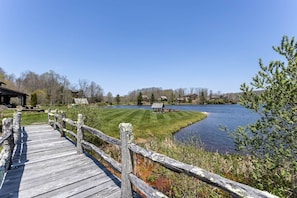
(146, 123)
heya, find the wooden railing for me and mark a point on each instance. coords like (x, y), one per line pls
(11, 130)
(128, 178)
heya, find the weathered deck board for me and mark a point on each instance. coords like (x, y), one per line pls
(46, 165)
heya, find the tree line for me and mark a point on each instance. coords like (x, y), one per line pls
(51, 88)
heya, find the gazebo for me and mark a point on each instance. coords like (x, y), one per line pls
(6, 94)
(158, 107)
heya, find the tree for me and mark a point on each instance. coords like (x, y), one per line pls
(92, 91)
(139, 99)
(33, 101)
(152, 99)
(118, 99)
(272, 140)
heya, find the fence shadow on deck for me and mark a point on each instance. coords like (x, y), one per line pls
(14, 175)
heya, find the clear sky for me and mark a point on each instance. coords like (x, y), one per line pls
(124, 45)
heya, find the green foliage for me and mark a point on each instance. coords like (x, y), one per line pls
(272, 140)
(152, 99)
(139, 99)
(33, 101)
(118, 99)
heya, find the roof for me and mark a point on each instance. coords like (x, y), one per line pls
(158, 105)
(9, 92)
(81, 101)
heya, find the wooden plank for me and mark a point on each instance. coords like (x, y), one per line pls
(102, 190)
(64, 175)
(46, 155)
(48, 145)
(41, 188)
(73, 190)
(41, 166)
(31, 180)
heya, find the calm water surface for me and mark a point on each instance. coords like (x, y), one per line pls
(208, 130)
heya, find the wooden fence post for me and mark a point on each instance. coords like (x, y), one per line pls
(63, 123)
(16, 126)
(127, 159)
(55, 119)
(48, 116)
(8, 144)
(80, 133)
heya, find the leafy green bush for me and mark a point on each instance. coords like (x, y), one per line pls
(272, 140)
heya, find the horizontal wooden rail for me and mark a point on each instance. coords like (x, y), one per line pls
(115, 164)
(71, 122)
(102, 136)
(232, 187)
(70, 132)
(5, 136)
(236, 189)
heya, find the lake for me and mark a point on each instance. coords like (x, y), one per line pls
(208, 130)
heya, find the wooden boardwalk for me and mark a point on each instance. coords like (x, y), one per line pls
(46, 165)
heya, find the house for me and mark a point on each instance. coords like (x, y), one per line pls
(145, 98)
(158, 107)
(163, 98)
(191, 97)
(81, 101)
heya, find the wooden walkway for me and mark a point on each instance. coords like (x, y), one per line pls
(46, 165)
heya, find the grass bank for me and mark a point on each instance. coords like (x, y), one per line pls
(147, 125)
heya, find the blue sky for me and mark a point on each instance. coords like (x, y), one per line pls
(124, 45)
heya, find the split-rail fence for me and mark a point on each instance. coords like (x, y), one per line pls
(58, 121)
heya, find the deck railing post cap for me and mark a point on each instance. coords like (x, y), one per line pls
(80, 116)
(125, 127)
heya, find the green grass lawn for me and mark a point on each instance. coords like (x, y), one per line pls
(146, 123)
(33, 118)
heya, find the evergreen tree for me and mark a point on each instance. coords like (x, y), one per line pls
(33, 100)
(272, 140)
(139, 99)
(118, 99)
(152, 99)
